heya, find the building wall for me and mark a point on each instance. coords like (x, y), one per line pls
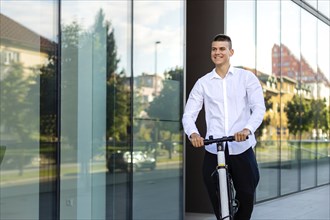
(75, 134)
(204, 21)
(288, 41)
(79, 141)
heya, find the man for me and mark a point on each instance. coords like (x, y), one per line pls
(234, 105)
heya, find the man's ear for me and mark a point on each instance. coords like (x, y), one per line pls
(231, 52)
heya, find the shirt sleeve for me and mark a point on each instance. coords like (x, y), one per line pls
(256, 103)
(193, 106)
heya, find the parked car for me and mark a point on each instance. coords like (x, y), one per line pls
(122, 161)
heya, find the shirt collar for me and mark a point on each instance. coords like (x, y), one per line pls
(215, 75)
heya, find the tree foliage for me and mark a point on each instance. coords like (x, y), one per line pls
(167, 107)
(299, 115)
(105, 60)
(319, 115)
(266, 121)
(18, 96)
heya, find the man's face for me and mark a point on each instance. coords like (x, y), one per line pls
(220, 52)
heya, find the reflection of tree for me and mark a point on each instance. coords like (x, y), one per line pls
(48, 97)
(266, 122)
(118, 107)
(167, 106)
(307, 115)
(17, 110)
(319, 115)
(299, 115)
(117, 90)
(167, 109)
(69, 83)
(168, 97)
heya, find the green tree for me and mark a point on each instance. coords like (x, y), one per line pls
(167, 107)
(69, 84)
(266, 121)
(117, 86)
(320, 115)
(48, 98)
(299, 114)
(17, 110)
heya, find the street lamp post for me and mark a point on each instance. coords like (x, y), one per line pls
(155, 82)
(156, 43)
(155, 94)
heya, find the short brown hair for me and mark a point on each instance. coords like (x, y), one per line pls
(223, 37)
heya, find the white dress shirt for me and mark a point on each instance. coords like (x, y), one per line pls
(231, 104)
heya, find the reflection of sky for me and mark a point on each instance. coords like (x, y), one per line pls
(153, 21)
(298, 37)
(38, 16)
(163, 21)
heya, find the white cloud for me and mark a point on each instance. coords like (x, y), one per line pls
(38, 16)
(153, 21)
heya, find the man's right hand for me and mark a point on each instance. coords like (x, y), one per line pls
(196, 140)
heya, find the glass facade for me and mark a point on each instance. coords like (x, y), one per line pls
(91, 99)
(286, 44)
(84, 133)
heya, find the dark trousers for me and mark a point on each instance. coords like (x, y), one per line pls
(244, 171)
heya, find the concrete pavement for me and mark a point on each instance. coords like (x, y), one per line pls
(311, 204)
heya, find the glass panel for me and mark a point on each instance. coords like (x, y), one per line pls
(312, 3)
(268, 39)
(28, 115)
(294, 129)
(95, 108)
(323, 146)
(158, 87)
(324, 7)
(309, 97)
(238, 12)
(289, 107)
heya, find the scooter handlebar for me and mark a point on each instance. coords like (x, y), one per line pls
(220, 140)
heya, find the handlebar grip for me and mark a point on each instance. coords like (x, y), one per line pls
(220, 140)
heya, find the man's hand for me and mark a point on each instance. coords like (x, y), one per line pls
(196, 140)
(242, 135)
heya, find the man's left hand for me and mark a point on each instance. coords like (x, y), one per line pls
(242, 135)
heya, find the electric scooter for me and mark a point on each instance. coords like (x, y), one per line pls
(226, 192)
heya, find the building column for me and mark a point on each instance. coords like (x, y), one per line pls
(205, 19)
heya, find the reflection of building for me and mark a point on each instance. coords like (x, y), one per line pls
(284, 63)
(290, 77)
(76, 185)
(19, 44)
(148, 86)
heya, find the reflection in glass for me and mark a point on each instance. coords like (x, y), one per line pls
(309, 83)
(324, 8)
(268, 29)
(289, 71)
(292, 64)
(28, 113)
(239, 12)
(95, 109)
(158, 87)
(323, 71)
